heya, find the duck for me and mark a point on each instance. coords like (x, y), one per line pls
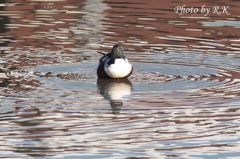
(114, 65)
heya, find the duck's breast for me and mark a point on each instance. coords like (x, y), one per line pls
(119, 69)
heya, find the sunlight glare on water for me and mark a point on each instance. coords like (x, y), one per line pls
(182, 100)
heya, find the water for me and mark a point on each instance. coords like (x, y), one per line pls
(182, 100)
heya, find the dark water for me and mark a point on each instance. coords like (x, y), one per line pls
(182, 100)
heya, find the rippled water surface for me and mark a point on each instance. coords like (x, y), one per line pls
(182, 100)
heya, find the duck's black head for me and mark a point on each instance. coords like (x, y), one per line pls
(117, 51)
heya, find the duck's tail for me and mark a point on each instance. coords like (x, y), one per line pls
(100, 52)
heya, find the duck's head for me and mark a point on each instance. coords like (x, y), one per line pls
(117, 51)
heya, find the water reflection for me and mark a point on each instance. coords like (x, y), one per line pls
(31, 132)
(186, 84)
(3, 21)
(115, 91)
(4, 81)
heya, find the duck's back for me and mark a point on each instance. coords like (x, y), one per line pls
(102, 61)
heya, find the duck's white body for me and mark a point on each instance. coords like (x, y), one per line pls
(119, 69)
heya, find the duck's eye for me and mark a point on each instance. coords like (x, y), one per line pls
(119, 49)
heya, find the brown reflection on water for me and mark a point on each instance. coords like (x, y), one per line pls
(146, 24)
(181, 101)
(40, 32)
(65, 29)
(32, 24)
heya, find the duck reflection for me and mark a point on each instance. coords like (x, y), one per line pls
(115, 91)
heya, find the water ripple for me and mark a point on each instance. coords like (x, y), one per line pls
(182, 100)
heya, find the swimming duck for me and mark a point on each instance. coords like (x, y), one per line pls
(114, 65)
